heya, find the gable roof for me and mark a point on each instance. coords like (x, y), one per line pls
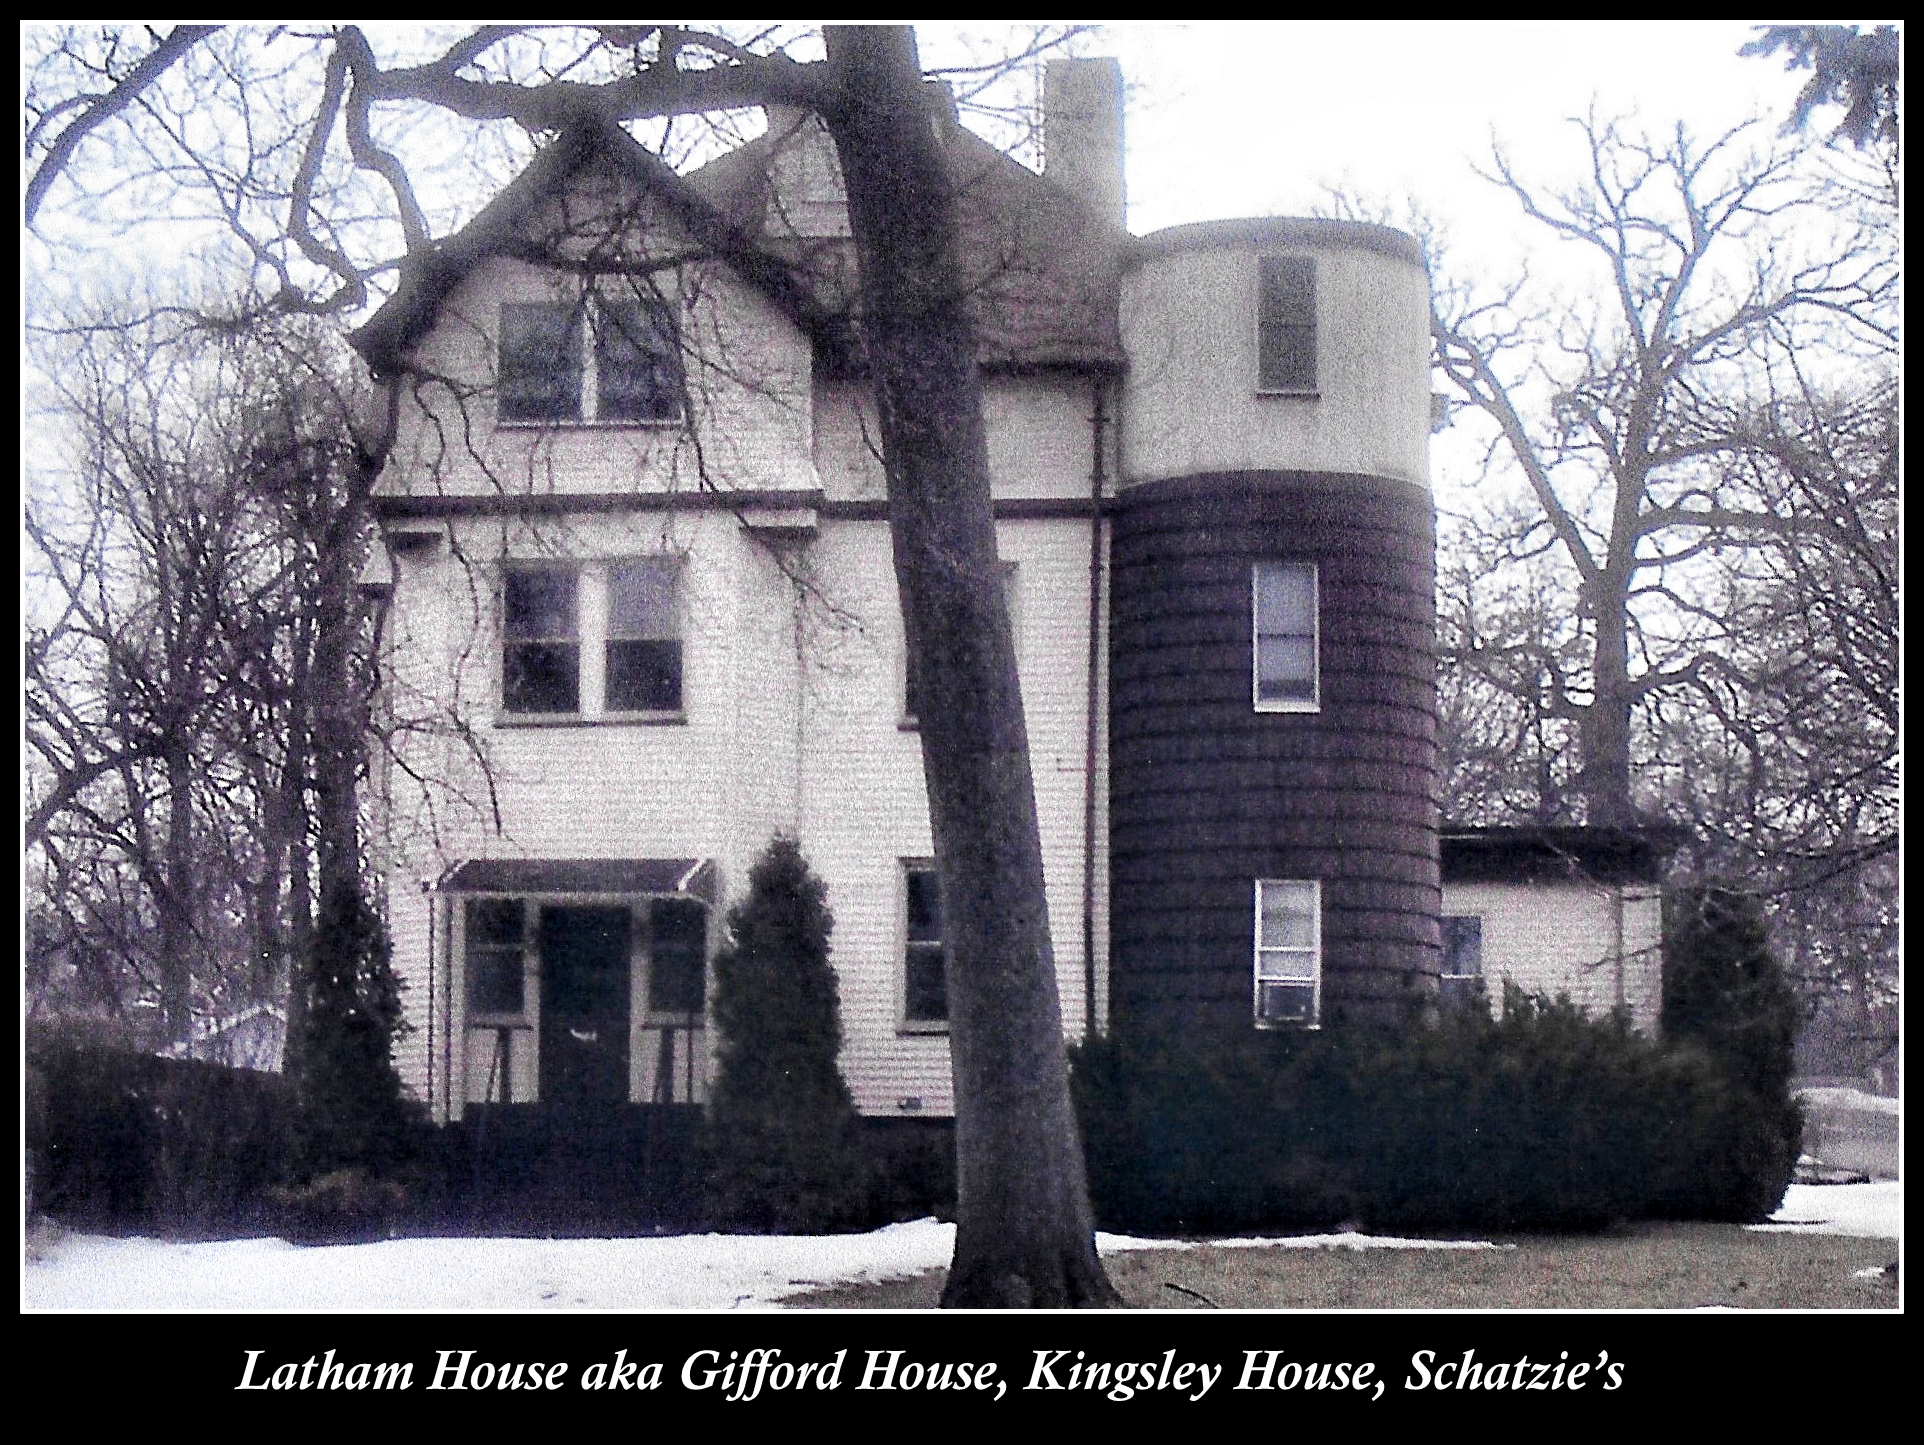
(1041, 269)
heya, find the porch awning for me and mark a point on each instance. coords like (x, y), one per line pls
(692, 876)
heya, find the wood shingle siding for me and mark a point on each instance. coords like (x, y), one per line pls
(1209, 794)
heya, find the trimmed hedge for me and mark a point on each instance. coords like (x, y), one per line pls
(1544, 1119)
(127, 1139)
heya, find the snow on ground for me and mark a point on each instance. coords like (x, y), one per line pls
(687, 1272)
(1874, 1210)
(1850, 1099)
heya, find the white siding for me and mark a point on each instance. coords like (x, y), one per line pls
(1600, 946)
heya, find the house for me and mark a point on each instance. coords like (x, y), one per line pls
(641, 610)
(1557, 910)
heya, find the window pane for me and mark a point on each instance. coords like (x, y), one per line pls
(1286, 963)
(925, 907)
(1463, 946)
(1289, 919)
(494, 970)
(641, 599)
(1286, 324)
(677, 955)
(925, 994)
(1285, 670)
(539, 602)
(637, 363)
(539, 370)
(540, 677)
(644, 677)
(1285, 599)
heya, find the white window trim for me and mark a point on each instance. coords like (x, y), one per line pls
(591, 642)
(903, 1023)
(584, 341)
(1315, 949)
(1314, 702)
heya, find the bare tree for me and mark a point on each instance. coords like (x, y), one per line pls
(321, 225)
(1616, 414)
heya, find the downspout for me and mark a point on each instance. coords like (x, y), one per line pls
(1617, 890)
(434, 917)
(1091, 741)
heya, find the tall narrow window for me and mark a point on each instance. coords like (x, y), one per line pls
(1289, 953)
(540, 656)
(925, 986)
(644, 637)
(677, 956)
(1285, 636)
(1462, 959)
(539, 371)
(1286, 324)
(637, 363)
(495, 952)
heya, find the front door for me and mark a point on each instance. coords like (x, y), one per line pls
(584, 1006)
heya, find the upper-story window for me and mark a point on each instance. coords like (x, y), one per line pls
(1289, 952)
(643, 672)
(542, 373)
(1285, 643)
(540, 640)
(619, 657)
(1286, 324)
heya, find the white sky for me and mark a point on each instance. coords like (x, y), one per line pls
(1257, 118)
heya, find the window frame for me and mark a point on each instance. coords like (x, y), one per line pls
(672, 567)
(906, 1023)
(590, 322)
(594, 631)
(507, 640)
(1314, 702)
(522, 1016)
(1274, 313)
(1466, 983)
(1314, 950)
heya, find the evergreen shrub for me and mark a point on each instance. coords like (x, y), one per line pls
(1543, 1119)
(1726, 1000)
(783, 1148)
(351, 1112)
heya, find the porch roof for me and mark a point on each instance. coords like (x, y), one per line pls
(693, 876)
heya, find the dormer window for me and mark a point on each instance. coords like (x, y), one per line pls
(542, 373)
(1286, 324)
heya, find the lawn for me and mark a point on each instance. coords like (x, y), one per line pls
(1646, 1266)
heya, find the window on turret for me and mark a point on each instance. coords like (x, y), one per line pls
(1289, 953)
(1286, 324)
(1284, 625)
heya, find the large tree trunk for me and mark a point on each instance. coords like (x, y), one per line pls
(1024, 1234)
(1605, 731)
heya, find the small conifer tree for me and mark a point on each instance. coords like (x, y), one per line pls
(1725, 993)
(784, 1144)
(350, 1109)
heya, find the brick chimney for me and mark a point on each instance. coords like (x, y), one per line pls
(1082, 132)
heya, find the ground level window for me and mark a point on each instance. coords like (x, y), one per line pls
(1462, 960)
(496, 950)
(677, 956)
(1289, 953)
(925, 986)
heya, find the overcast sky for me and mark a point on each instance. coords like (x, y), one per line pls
(1258, 118)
